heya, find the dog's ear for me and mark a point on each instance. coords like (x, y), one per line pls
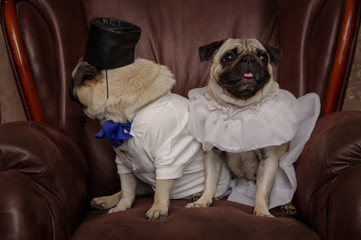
(84, 72)
(208, 51)
(274, 53)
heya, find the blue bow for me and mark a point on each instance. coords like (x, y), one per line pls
(115, 132)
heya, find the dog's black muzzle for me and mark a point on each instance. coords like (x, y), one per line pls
(245, 79)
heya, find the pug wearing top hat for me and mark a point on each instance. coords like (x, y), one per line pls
(142, 119)
(242, 117)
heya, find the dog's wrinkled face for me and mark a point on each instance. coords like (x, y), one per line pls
(244, 70)
(241, 67)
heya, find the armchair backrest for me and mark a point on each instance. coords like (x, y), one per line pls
(308, 32)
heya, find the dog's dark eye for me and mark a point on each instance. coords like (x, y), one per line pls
(264, 58)
(228, 58)
(87, 77)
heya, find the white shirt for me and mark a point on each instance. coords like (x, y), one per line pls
(162, 148)
(277, 119)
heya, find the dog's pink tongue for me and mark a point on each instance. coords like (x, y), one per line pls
(248, 75)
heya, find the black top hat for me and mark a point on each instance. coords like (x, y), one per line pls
(111, 43)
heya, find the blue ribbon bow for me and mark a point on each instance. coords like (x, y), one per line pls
(115, 132)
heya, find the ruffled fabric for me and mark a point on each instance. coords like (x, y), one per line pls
(275, 120)
(271, 122)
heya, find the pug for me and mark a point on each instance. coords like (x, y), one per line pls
(156, 148)
(237, 115)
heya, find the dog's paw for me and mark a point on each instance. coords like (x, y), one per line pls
(200, 203)
(262, 212)
(156, 213)
(289, 209)
(103, 203)
(195, 197)
(196, 205)
(106, 202)
(121, 206)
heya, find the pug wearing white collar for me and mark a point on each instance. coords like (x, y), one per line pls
(143, 120)
(242, 117)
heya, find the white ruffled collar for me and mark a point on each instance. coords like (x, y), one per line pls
(270, 122)
(233, 111)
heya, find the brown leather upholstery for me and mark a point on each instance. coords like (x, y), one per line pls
(328, 173)
(48, 172)
(43, 183)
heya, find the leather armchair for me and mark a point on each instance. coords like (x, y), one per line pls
(51, 166)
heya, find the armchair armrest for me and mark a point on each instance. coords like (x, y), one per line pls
(328, 195)
(43, 182)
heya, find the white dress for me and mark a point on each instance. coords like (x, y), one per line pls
(275, 120)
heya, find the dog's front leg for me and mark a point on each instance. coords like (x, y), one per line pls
(163, 191)
(266, 174)
(213, 168)
(128, 183)
(265, 178)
